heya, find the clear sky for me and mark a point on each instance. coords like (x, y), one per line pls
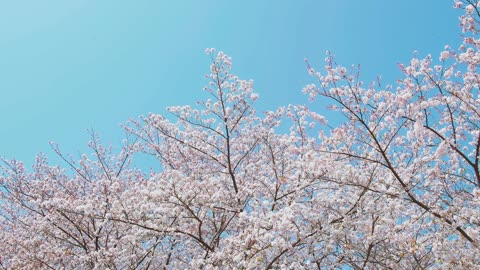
(67, 66)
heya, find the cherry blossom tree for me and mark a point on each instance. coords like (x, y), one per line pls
(232, 192)
(420, 144)
(395, 185)
(50, 219)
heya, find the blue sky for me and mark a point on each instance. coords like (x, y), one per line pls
(68, 66)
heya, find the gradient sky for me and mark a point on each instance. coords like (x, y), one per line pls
(67, 66)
